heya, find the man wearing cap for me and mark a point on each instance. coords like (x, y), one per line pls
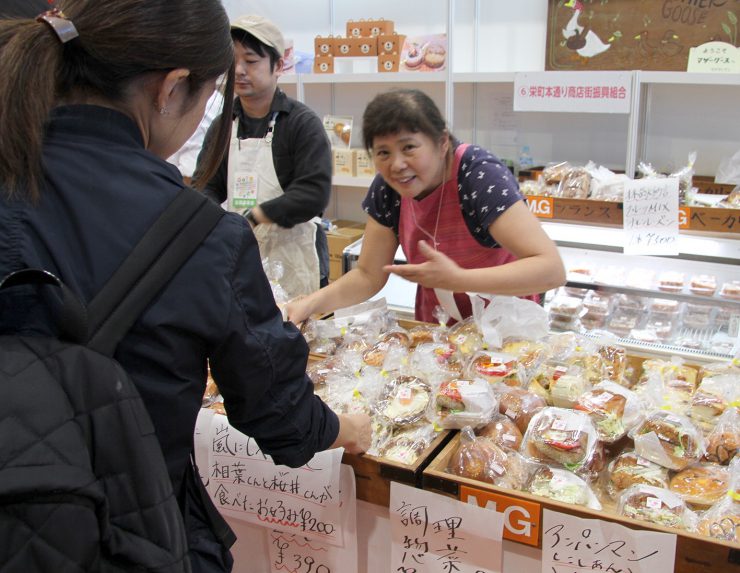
(278, 168)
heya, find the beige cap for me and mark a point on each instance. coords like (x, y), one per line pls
(262, 29)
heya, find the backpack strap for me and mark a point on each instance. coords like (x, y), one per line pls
(160, 253)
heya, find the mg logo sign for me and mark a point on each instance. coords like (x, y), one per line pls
(521, 517)
(541, 206)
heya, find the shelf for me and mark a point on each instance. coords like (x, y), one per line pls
(711, 249)
(288, 79)
(484, 77)
(347, 181)
(688, 78)
(375, 78)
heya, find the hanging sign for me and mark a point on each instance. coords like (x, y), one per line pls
(576, 92)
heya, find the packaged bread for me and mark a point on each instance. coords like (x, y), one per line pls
(629, 469)
(703, 285)
(407, 443)
(503, 431)
(529, 355)
(397, 335)
(668, 439)
(436, 361)
(702, 484)
(671, 281)
(654, 505)
(404, 400)
(565, 390)
(731, 290)
(614, 409)
(563, 486)
(519, 405)
(463, 402)
(482, 459)
(712, 398)
(466, 336)
(560, 436)
(721, 521)
(424, 333)
(723, 442)
(494, 367)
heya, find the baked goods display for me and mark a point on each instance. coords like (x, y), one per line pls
(614, 409)
(463, 402)
(668, 439)
(563, 486)
(560, 436)
(654, 505)
(701, 485)
(404, 400)
(519, 405)
(503, 431)
(629, 469)
(484, 460)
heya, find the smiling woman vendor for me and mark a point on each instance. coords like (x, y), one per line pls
(454, 208)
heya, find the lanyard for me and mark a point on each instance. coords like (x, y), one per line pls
(268, 135)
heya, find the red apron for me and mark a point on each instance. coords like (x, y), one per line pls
(453, 239)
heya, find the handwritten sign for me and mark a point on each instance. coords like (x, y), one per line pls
(717, 57)
(573, 545)
(293, 553)
(593, 92)
(245, 484)
(435, 534)
(651, 216)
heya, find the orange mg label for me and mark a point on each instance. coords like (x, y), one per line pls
(521, 517)
(542, 207)
(684, 217)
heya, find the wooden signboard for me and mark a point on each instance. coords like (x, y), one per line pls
(635, 34)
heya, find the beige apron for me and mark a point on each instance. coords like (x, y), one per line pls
(251, 181)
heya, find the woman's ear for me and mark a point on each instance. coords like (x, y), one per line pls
(167, 87)
(444, 142)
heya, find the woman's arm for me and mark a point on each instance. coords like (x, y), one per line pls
(379, 244)
(538, 268)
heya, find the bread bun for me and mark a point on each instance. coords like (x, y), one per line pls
(701, 485)
(520, 406)
(483, 460)
(503, 431)
(495, 368)
(404, 400)
(375, 355)
(562, 436)
(421, 334)
(653, 505)
(678, 440)
(723, 524)
(629, 469)
(722, 446)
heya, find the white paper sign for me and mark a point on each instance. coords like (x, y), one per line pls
(577, 92)
(432, 533)
(573, 545)
(651, 216)
(245, 484)
(715, 57)
(293, 553)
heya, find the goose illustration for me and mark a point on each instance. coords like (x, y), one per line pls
(667, 46)
(580, 38)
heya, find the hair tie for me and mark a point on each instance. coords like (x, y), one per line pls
(62, 26)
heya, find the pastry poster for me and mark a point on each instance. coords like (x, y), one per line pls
(339, 130)
(635, 34)
(573, 544)
(424, 53)
(431, 533)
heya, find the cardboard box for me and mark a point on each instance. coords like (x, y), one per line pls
(389, 62)
(323, 64)
(324, 46)
(346, 233)
(364, 166)
(354, 47)
(378, 27)
(342, 163)
(390, 43)
(357, 28)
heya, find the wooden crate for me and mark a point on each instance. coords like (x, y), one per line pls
(373, 476)
(694, 553)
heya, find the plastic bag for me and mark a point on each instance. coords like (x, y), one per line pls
(460, 402)
(729, 170)
(508, 317)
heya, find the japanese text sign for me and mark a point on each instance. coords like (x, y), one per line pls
(651, 216)
(245, 484)
(432, 533)
(716, 57)
(577, 92)
(574, 544)
(294, 553)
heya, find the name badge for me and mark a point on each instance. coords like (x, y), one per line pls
(245, 191)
